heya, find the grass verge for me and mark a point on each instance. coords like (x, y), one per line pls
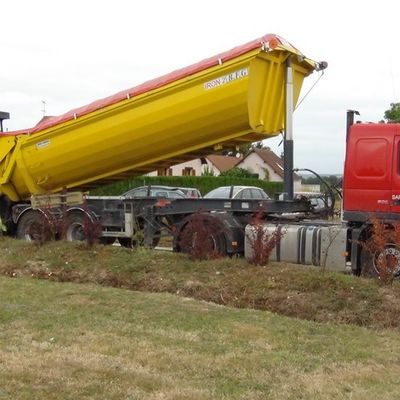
(67, 341)
(306, 293)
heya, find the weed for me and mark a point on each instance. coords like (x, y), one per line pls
(381, 251)
(3, 229)
(261, 241)
(201, 237)
(83, 225)
(92, 230)
(44, 228)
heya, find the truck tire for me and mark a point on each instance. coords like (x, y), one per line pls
(33, 226)
(202, 235)
(370, 262)
(75, 230)
(367, 265)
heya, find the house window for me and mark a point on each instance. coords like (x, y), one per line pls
(164, 172)
(188, 171)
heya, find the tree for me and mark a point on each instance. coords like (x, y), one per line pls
(237, 172)
(245, 149)
(332, 180)
(393, 114)
(207, 171)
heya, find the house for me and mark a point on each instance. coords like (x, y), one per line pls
(267, 165)
(262, 162)
(213, 164)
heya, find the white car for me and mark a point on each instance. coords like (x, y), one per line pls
(237, 192)
(155, 191)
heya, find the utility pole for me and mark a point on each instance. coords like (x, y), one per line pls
(3, 115)
(288, 138)
(44, 108)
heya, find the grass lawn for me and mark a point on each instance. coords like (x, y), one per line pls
(70, 341)
(287, 289)
(115, 323)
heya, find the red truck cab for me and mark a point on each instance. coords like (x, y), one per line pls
(371, 183)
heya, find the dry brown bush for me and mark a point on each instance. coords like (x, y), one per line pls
(381, 251)
(262, 242)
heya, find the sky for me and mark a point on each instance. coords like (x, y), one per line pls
(69, 53)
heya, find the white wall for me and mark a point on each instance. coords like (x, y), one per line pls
(254, 163)
(257, 166)
(310, 188)
(195, 164)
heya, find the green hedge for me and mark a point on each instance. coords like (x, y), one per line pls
(203, 183)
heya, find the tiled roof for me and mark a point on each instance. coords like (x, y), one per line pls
(223, 163)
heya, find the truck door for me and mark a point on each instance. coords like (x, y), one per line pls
(395, 200)
(368, 171)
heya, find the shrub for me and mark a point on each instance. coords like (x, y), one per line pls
(91, 227)
(381, 250)
(44, 228)
(201, 237)
(261, 241)
(3, 228)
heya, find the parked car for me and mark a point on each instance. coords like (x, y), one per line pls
(237, 192)
(319, 201)
(321, 204)
(191, 193)
(155, 191)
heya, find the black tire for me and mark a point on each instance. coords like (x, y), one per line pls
(33, 226)
(202, 237)
(370, 262)
(75, 230)
(367, 264)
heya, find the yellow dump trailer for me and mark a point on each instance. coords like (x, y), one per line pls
(224, 101)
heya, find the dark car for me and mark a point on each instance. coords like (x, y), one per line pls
(237, 192)
(318, 201)
(321, 204)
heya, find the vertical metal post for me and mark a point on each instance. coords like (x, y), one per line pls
(288, 139)
(350, 121)
(3, 116)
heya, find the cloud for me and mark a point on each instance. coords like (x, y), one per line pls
(70, 53)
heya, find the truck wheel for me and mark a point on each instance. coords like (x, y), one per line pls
(367, 265)
(75, 227)
(33, 226)
(388, 258)
(201, 237)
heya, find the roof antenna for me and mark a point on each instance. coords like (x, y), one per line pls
(44, 108)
